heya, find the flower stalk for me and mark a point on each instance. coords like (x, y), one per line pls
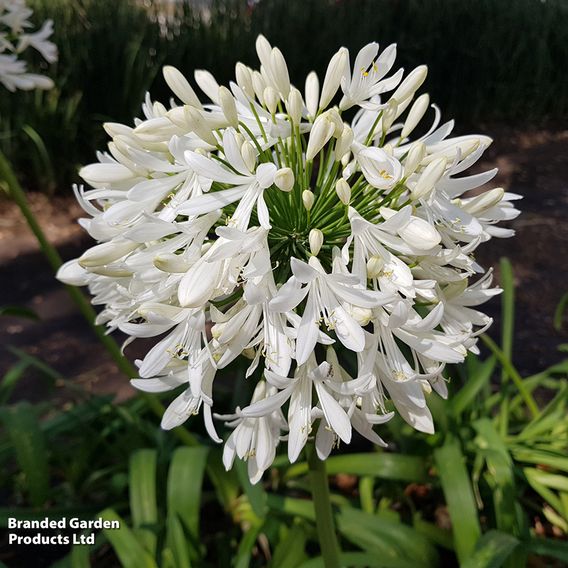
(322, 504)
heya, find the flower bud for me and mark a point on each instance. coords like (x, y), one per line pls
(308, 198)
(343, 191)
(259, 84)
(279, 71)
(389, 115)
(335, 71)
(198, 124)
(284, 179)
(430, 176)
(414, 157)
(105, 253)
(312, 93)
(321, 133)
(415, 114)
(244, 79)
(173, 263)
(271, 99)
(484, 201)
(375, 265)
(228, 106)
(294, 105)
(411, 84)
(180, 86)
(315, 239)
(344, 142)
(249, 156)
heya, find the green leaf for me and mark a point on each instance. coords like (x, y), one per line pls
(143, 504)
(290, 550)
(129, 550)
(379, 464)
(547, 547)
(255, 493)
(185, 479)
(357, 560)
(177, 545)
(10, 379)
(473, 386)
(491, 551)
(561, 307)
(80, 556)
(500, 475)
(243, 557)
(386, 538)
(29, 443)
(456, 484)
(18, 311)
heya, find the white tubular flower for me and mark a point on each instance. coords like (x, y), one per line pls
(260, 224)
(14, 19)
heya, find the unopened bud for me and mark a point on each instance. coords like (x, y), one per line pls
(414, 157)
(484, 201)
(259, 85)
(411, 84)
(389, 115)
(343, 191)
(105, 253)
(430, 176)
(271, 99)
(284, 179)
(228, 106)
(315, 239)
(294, 105)
(312, 93)
(344, 142)
(415, 114)
(280, 72)
(308, 198)
(199, 125)
(375, 265)
(180, 86)
(321, 133)
(249, 156)
(333, 75)
(244, 79)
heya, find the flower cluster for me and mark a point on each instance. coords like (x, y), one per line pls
(14, 21)
(336, 256)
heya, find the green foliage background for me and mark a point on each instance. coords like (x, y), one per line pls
(489, 60)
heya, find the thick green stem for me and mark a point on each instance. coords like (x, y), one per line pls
(17, 194)
(324, 515)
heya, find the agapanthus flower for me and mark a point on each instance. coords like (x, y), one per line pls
(15, 38)
(267, 224)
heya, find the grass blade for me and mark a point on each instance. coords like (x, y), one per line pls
(143, 506)
(450, 463)
(29, 443)
(492, 550)
(128, 548)
(380, 464)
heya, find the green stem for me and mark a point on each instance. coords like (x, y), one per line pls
(17, 194)
(322, 504)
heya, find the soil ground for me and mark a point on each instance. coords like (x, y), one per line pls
(532, 163)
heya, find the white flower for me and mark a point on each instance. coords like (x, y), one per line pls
(261, 225)
(14, 19)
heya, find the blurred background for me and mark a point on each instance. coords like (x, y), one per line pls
(498, 67)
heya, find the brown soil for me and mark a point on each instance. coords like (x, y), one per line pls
(534, 164)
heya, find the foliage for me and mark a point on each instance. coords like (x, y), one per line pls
(488, 60)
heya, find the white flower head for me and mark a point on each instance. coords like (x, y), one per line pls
(261, 224)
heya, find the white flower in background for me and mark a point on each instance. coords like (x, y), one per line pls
(15, 39)
(261, 224)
